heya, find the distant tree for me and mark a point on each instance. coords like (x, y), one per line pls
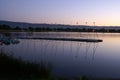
(0, 26)
(17, 28)
(30, 28)
(118, 30)
(5, 27)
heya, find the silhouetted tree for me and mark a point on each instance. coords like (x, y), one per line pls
(5, 27)
(17, 28)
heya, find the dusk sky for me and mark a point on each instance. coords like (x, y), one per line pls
(103, 12)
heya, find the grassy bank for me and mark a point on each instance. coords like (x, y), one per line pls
(17, 69)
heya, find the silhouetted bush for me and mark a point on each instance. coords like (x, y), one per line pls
(12, 68)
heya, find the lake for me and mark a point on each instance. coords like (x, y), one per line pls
(70, 58)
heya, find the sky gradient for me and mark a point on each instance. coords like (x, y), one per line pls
(103, 12)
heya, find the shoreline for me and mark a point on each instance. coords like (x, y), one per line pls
(58, 31)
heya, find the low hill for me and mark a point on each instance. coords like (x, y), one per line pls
(44, 25)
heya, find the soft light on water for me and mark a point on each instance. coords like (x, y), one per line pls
(69, 58)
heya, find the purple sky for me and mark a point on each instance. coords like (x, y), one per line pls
(103, 12)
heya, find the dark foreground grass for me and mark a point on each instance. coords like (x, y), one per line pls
(17, 69)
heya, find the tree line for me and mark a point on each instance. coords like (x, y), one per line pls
(45, 29)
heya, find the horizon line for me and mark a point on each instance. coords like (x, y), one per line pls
(61, 24)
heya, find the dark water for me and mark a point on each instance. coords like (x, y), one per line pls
(71, 59)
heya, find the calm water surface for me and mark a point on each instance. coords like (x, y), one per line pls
(69, 58)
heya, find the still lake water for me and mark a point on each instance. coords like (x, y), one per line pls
(69, 58)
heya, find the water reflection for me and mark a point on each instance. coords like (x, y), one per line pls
(78, 49)
(67, 57)
(87, 49)
(7, 39)
(95, 46)
(55, 48)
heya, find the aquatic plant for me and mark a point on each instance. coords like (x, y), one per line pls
(12, 68)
